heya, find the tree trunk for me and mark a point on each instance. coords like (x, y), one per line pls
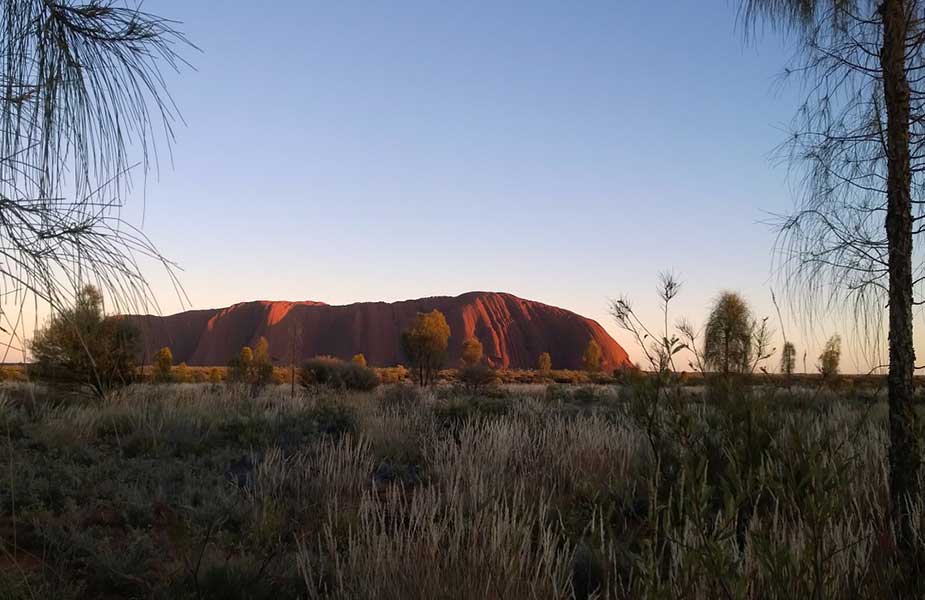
(904, 446)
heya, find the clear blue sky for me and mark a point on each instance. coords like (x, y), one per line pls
(562, 152)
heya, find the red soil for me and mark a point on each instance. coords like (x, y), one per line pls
(513, 331)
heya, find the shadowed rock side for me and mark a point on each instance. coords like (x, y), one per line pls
(513, 331)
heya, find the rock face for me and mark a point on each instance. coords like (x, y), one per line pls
(513, 331)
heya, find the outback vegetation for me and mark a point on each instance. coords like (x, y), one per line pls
(84, 347)
(425, 344)
(187, 490)
(624, 486)
(710, 479)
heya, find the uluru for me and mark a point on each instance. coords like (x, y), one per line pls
(513, 331)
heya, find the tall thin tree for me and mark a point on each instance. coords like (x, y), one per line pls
(860, 134)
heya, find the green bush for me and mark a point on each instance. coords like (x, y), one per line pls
(334, 419)
(83, 347)
(477, 377)
(401, 395)
(335, 373)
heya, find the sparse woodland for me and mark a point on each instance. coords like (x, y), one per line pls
(698, 474)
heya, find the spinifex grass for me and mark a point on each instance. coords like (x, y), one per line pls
(200, 491)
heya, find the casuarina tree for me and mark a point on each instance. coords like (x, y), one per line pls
(857, 137)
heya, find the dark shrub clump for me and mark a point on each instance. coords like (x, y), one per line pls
(401, 395)
(334, 373)
(477, 377)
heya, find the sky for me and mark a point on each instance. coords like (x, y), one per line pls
(562, 152)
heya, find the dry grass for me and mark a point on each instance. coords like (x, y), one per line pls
(200, 491)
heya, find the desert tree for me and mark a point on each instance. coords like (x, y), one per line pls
(830, 358)
(544, 363)
(788, 359)
(163, 365)
(591, 359)
(252, 367)
(359, 359)
(859, 142)
(241, 366)
(734, 342)
(425, 342)
(83, 347)
(728, 336)
(471, 351)
(477, 376)
(262, 364)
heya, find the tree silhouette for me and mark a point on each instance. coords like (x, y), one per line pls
(82, 346)
(591, 360)
(830, 357)
(163, 365)
(728, 335)
(859, 136)
(425, 343)
(788, 358)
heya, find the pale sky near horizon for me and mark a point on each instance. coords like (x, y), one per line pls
(564, 153)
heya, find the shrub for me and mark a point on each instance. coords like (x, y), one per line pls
(591, 361)
(335, 373)
(239, 367)
(359, 359)
(183, 374)
(396, 374)
(401, 395)
(83, 347)
(163, 364)
(252, 367)
(478, 376)
(627, 374)
(334, 419)
(565, 376)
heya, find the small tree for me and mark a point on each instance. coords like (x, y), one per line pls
(262, 368)
(425, 343)
(471, 352)
(215, 376)
(788, 359)
(728, 336)
(241, 366)
(544, 363)
(591, 361)
(84, 347)
(477, 376)
(830, 357)
(163, 365)
(359, 359)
